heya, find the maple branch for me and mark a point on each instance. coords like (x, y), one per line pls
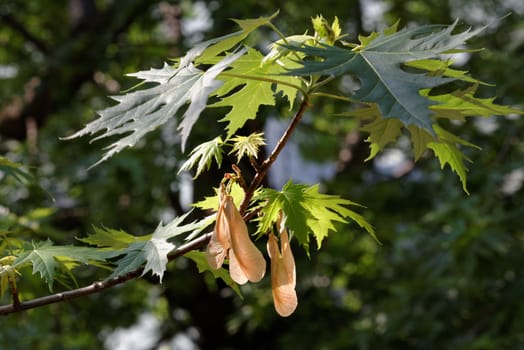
(99, 286)
(266, 164)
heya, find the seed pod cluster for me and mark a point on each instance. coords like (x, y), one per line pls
(231, 239)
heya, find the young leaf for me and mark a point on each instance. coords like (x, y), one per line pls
(446, 150)
(203, 154)
(307, 212)
(441, 68)
(228, 41)
(420, 139)
(42, 256)
(381, 132)
(377, 63)
(247, 145)
(463, 103)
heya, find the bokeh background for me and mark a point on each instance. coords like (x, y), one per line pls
(449, 273)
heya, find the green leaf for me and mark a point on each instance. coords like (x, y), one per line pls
(247, 146)
(247, 86)
(110, 238)
(307, 212)
(463, 103)
(212, 202)
(326, 32)
(381, 132)
(142, 111)
(441, 68)
(203, 154)
(200, 260)
(228, 41)
(377, 63)
(43, 257)
(420, 139)
(133, 258)
(445, 148)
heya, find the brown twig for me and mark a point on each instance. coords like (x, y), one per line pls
(197, 243)
(97, 286)
(14, 292)
(266, 164)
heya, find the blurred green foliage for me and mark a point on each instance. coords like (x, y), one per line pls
(448, 275)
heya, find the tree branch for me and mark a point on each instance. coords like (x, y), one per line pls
(98, 286)
(264, 167)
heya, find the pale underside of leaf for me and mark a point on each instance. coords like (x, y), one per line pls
(142, 111)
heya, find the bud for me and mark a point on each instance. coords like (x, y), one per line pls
(283, 274)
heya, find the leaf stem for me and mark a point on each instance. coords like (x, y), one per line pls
(335, 97)
(266, 164)
(269, 80)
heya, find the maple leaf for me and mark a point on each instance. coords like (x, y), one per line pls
(247, 145)
(463, 103)
(382, 132)
(307, 212)
(107, 237)
(377, 63)
(203, 154)
(420, 139)
(151, 250)
(212, 202)
(446, 150)
(226, 42)
(255, 82)
(142, 111)
(199, 258)
(45, 258)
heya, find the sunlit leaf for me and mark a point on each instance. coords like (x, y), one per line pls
(247, 146)
(382, 132)
(200, 260)
(307, 211)
(249, 85)
(202, 156)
